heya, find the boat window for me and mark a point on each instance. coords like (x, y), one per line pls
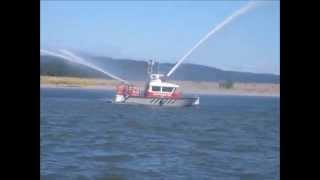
(155, 88)
(167, 89)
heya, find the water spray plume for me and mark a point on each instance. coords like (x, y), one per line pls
(84, 62)
(50, 53)
(69, 56)
(237, 13)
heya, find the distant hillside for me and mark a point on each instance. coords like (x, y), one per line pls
(136, 70)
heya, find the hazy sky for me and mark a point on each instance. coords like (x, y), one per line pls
(166, 30)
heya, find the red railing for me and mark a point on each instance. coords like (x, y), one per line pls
(127, 90)
(121, 89)
(133, 91)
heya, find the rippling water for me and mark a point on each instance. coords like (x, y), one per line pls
(226, 137)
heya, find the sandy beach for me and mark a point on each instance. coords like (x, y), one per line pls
(187, 87)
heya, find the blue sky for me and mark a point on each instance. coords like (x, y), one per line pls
(166, 30)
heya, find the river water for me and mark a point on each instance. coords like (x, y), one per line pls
(226, 137)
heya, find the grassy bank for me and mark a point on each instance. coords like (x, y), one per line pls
(73, 81)
(263, 89)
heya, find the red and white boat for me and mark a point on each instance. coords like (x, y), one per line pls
(156, 92)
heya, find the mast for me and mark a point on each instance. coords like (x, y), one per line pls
(150, 67)
(157, 67)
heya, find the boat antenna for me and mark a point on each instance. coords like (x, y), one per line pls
(150, 66)
(157, 65)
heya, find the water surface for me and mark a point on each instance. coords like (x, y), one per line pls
(226, 137)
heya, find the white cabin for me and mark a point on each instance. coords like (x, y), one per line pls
(157, 87)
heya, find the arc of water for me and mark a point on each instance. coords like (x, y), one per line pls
(67, 55)
(77, 58)
(227, 20)
(50, 53)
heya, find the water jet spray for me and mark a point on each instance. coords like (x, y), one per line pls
(226, 21)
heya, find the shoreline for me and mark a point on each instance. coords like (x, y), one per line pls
(187, 87)
(215, 93)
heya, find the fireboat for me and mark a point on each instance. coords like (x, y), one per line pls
(157, 92)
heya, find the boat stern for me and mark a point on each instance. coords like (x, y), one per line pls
(197, 101)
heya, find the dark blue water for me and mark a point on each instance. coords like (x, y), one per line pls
(226, 137)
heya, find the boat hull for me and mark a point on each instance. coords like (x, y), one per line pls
(187, 101)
